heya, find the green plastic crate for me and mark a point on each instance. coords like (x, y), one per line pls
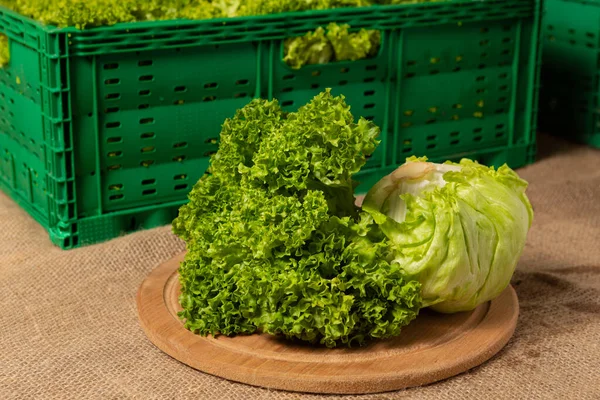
(570, 64)
(104, 131)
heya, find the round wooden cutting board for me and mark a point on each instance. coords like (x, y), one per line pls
(433, 347)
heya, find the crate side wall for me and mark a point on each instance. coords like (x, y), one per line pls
(22, 141)
(459, 88)
(36, 137)
(570, 85)
(152, 120)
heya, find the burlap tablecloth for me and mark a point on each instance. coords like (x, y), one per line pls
(69, 328)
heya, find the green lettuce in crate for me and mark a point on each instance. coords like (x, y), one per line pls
(86, 13)
(312, 48)
(83, 14)
(335, 44)
(263, 7)
(458, 228)
(4, 50)
(275, 242)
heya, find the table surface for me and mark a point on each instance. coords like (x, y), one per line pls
(69, 328)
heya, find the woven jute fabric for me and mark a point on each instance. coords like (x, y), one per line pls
(69, 328)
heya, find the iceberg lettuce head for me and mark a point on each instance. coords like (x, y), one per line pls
(457, 228)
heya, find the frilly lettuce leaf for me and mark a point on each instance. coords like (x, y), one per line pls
(318, 148)
(4, 50)
(312, 48)
(335, 43)
(353, 46)
(87, 13)
(275, 242)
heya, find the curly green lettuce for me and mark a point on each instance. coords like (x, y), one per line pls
(264, 7)
(275, 242)
(353, 46)
(312, 48)
(89, 13)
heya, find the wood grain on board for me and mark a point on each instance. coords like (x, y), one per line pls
(433, 347)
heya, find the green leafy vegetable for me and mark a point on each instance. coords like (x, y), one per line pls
(353, 46)
(274, 239)
(458, 228)
(4, 50)
(312, 48)
(88, 13)
(83, 14)
(335, 44)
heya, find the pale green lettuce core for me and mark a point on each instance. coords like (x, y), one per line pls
(457, 228)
